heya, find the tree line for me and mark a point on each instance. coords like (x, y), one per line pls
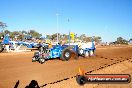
(34, 34)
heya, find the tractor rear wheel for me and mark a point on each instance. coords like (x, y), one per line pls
(66, 54)
(1, 48)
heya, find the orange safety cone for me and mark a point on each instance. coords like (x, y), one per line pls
(81, 72)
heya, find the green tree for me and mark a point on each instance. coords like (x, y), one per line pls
(24, 32)
(120, 40)
(130, 39)
(65, 37)
(88, 39)
(2, 25)
(15, 33)
(97, 39)
(7, 31)
(34, 34)
(54, 36)
(48, 36)
(82, 37)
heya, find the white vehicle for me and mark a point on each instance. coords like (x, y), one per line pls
(87, 48)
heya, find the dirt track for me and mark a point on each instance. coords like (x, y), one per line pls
(18, 66)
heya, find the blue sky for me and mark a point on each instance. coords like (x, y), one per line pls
(106, 18)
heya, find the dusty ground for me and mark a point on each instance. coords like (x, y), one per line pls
(122, 68)
(18, 66)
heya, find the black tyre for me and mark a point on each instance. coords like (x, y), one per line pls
(66, 55)
(33, 59)
(91, 53)
(79, 51)
(81, 80)
(1, 48)
(75, 55)
(41, 60)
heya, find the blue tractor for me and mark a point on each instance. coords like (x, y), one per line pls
(64, 52)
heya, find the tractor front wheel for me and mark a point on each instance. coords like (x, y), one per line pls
(41, 60)
(33, 59)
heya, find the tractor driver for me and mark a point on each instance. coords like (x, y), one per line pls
(40, 46)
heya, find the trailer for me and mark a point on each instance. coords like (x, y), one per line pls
(15, 45)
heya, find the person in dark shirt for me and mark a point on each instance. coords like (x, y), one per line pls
(39, 46)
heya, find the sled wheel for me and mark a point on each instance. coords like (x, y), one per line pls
(91, 53)
(86, 54)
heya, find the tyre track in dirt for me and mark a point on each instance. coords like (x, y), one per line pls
(123, 67)
(96, 69)
(20, 67)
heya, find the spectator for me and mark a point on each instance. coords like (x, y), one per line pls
(6, 42)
